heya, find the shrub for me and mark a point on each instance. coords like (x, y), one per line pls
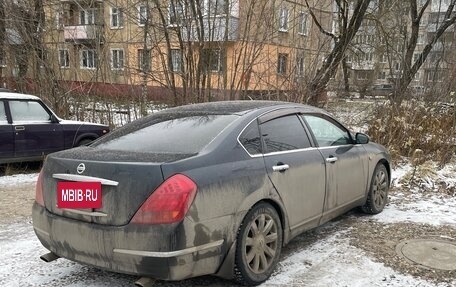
(414, 125)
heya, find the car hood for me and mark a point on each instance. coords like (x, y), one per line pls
(69, 122)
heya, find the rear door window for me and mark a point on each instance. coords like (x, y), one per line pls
(284, 134)
(187, 135)
(28, 111)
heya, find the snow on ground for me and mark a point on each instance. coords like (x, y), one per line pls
(334, 262)
(13, 180)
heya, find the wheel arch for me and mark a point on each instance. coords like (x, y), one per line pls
(85, 136)
(384, 162)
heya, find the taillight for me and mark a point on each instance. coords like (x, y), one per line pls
(169, 203)
(39, 190)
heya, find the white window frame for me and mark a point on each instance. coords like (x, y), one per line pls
(59, 23)
(216, 11)
(303, 23)
(282, 64)
(210, 52)
(283, 19)
(178, 15)
(93, 54)
(117, 14)
(141, 65)
(176, 60)
(142, 15)
(117, 59)
(89, 16)
(300, 66)
(66, 58)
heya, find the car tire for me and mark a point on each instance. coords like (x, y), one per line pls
(258, 245)
(378, 191)
(84, 142)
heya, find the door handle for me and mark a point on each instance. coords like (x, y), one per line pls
(280, 168)
(331, 159)
(19, 128)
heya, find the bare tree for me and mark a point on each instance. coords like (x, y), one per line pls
(349, 23)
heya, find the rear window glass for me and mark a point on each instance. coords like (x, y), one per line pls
(183, 135)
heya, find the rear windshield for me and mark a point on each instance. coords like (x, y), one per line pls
(186, 135)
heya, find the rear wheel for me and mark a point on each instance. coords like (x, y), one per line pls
(378, 192)
(259, 242)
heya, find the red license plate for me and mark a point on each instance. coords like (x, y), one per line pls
(78, 194)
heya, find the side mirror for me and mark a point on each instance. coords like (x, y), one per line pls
(54, 119)
(361, 138)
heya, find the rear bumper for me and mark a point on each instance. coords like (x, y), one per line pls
(139, 250)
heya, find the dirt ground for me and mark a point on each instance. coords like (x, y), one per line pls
(16, 202)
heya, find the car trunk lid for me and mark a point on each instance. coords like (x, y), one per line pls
(127, 180)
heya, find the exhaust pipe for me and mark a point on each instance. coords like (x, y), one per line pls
(49, 257)
(145, 282)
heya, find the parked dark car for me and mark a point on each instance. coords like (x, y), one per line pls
(29, 129)
(381, 90)
(215, 188)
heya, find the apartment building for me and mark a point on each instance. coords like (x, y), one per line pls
(376, 57)
(226, 47)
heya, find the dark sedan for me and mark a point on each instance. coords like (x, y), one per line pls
(215, 188)
(29, 130)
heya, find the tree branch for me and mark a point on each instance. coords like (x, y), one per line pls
(320, 27)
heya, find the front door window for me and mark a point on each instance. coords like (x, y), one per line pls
(28, 111)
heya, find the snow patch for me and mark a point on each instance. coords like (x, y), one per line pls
(12, 180)
(334, 262)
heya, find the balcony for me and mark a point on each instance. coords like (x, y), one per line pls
(216, 29)
(82, 33)
(363, 66)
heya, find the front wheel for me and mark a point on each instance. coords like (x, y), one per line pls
(378, 192)
(258, 246)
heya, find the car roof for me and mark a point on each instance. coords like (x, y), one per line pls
(16, 96)
(237, 107)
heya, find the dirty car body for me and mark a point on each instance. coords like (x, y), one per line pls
(215, 188)
(29, 129)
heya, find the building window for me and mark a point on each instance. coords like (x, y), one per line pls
(282, 64)
(434, 76)
(303, 18)
(420, 39)
(116, 17)
(283, 19)
(417, 76)
(144, 60)
(59, 19)
(176, 12)
(87, 17)
(218, 7)
(212, 59)
(384, 58)
(117, 59)
(300, 65)
(381, 75)
(361, 76)
(88, 59)
(176, 60)
(142, 15)
(64, 58)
